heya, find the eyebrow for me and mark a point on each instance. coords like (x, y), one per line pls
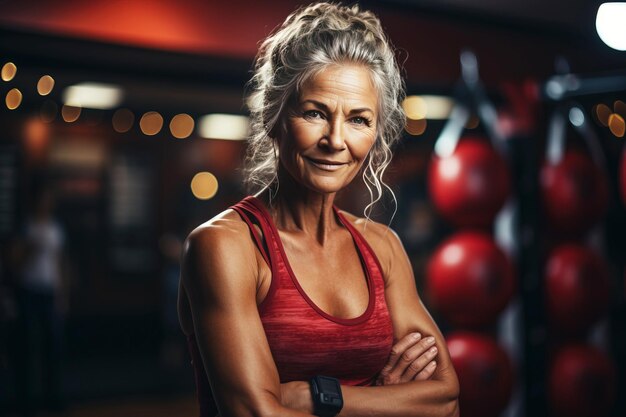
(325, 107)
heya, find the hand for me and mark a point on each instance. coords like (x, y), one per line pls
(296, 395)
(411, 359)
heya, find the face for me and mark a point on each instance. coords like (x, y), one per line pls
(330, 129)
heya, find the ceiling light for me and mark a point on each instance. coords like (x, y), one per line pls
(8, 71)
(13, 99)
(438, 107)
(611, 24)
(93, 96)
(70, 113)
(414, 107)
(223, 126)
(204, 185)
(45, 85)
(182, 126)
(151, 123)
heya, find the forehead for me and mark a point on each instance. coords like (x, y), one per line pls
(346, 82)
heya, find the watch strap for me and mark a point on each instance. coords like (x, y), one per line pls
(327, 397)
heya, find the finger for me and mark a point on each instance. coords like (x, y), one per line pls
(398, 350)
(411, 361)
(419, 364)
(427, 372)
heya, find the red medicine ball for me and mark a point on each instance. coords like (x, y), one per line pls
(469, 187)
(581, 382)
(574, 193)
(577, 288)
(485, 374)
(469, 279)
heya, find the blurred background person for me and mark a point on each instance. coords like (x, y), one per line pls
(43, 303)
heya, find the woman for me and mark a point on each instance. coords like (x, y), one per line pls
(283, 291)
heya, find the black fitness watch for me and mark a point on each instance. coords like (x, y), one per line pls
(327, 398)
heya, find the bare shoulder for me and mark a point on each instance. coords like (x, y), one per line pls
(224, 229)
(220, 246)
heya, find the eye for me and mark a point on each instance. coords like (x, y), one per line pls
(359, 120)
(313, 114)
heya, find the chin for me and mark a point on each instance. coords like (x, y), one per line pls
(326, 185)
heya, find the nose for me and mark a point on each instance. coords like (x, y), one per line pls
(335, 138)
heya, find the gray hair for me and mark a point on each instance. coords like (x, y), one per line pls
(311, 39)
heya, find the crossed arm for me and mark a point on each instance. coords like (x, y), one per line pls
(414, 382)
(219, 278)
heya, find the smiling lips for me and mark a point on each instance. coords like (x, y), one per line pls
(326, 165)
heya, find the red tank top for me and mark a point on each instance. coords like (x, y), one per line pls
(304, 340)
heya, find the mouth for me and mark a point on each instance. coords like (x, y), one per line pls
(326, 165)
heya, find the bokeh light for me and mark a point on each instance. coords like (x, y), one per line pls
(182, 126)
(204, 185)
(70, 113)
(13, 99)
(610, 24)
(123, 120)
(91, 95)
(223, 126)
(45, 85)
(414, 107)
(36, 138)
(437, 107)
(151, 123)
(603, 112)
(8, 71)
(617, 126)
(576, 116)
(415, 127)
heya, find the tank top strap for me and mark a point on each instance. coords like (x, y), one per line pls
(366, 250)
(251, 214)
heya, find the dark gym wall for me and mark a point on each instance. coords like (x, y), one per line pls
(429, 41)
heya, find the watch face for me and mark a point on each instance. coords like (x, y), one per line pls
(327, 399)
(328, 385)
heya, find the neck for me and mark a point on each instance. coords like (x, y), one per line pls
(297, 209)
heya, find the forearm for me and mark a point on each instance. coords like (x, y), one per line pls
(274, 411)
(278, 410)
(431, 398)
(293, 401)
(281, 411)
(264, 404)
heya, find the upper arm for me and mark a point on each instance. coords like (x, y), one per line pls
(218, 277)
(406, 308)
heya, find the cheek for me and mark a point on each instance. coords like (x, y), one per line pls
(364, 146)
(300, 137)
